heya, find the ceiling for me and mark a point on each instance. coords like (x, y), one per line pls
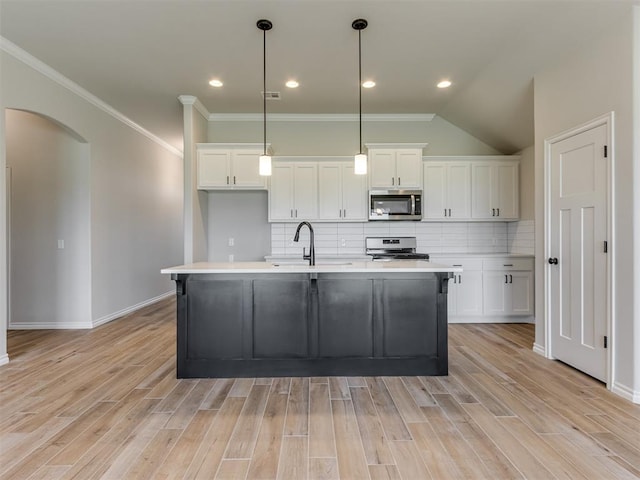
(140, 55)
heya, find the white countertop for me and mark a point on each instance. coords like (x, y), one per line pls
(402, 266)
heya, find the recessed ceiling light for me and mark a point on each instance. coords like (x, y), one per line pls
(292, 84)
(369, 84)
(215, 83)
(444, 84)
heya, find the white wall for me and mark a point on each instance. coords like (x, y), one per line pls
(243, 217)
(336, 138)
(136, 186)
(527, 183)
(50, 201)
(591, 83)
(195, 201)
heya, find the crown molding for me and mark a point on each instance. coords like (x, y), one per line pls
(199, 106)
(41, 67)
(321, 117)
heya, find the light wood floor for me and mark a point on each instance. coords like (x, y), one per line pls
(105, 404)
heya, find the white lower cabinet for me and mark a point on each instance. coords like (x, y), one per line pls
(508, 287)
(490, 289)
(465, 289)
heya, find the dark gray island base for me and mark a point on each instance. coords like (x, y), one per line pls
(311, 324)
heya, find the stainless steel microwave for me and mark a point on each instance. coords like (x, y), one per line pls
(395, 205)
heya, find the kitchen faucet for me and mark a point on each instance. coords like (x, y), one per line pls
(312, 251)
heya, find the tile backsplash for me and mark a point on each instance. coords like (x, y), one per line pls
(432, 237)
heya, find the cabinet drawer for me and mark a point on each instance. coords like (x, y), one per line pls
(465, 263)
(508, 264)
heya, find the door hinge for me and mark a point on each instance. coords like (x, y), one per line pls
(606, 246)
(605, 341)
(605, 152)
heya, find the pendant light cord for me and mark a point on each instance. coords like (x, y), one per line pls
(264, 90)
(360, 86)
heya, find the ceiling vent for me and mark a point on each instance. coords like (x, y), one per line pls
(271, 95)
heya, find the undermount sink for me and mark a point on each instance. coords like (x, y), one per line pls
(296, 265)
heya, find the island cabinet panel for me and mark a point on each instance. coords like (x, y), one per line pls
(404, 308)
(281, 317)
(311, 324)
(345, 317)
(214, 326)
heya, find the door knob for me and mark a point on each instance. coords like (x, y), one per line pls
(553, 261)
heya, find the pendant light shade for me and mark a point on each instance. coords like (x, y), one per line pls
(264, 166)
(360, 160)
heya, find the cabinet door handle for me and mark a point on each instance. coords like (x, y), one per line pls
(292, 213)
(296, 213)
(455, 279)
(498, 212)
(459, 278)
(227, 179)
(457, 265)
(449, 212)
(398, 180)
(393, 181)
(510, 278)
(493, 212)
(507, 264)
(234, 179)
(344, 214)
(445, 212)
(506, 279)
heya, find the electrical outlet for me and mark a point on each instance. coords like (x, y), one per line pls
(231, 257)
(231, 241)
(60, 244)
(343, 242)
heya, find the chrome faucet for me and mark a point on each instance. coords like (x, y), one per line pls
(312, 251)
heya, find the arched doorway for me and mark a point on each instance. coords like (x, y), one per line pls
(49, 223)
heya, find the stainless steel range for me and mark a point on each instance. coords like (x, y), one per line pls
(393, 248)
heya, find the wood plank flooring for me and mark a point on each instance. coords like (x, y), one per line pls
(105, 404)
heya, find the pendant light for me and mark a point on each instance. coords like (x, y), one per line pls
(265, 160)
(360, 160)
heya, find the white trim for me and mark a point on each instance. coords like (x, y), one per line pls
(626, 392)
(133, 308)
(199, 106)
(396, 145)
(539, 349)
(469, 158)
(41, 67)
(4, 359)
(50, 326)
(607, 120)
(321, 117)
(490, 319)
(89, 325)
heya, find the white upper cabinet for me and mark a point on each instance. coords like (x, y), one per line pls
(293, 193)
(342, 193)
(395, 165)
(229, 166)
(494, 187)
(447, 190)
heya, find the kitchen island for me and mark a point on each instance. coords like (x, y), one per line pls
(257, 319)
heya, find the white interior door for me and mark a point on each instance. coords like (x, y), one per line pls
(577, 259)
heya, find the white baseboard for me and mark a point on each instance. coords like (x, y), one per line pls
(87, 325)
(49, 326)
(4, 359)
(626, 392)
(133, 308)
(489, 319)
(539, 349)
